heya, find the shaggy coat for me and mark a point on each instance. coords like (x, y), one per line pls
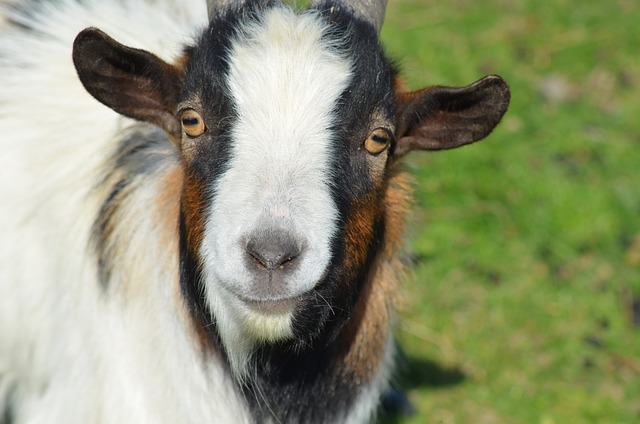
(216, 238)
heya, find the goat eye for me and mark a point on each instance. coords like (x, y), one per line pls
(378, 141)
(192, 123)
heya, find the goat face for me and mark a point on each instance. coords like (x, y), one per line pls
(289, 125)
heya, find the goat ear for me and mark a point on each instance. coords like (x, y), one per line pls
(439, 118)
(133, 82)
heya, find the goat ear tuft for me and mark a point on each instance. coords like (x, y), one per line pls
(133, 82)
(440, 118)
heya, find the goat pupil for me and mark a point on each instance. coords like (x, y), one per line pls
(379, 138)
(189, 122)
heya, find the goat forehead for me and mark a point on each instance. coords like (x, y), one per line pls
(285, 78)
(275, 62)
(286, 88)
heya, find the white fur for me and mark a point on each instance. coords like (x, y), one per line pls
(285, 81)
(70, 353)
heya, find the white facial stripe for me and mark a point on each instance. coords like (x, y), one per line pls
(285, 80)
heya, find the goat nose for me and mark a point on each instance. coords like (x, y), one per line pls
(273, 251)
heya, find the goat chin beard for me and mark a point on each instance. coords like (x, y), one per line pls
(248, 329)
(268, 328)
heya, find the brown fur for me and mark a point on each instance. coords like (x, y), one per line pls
(193, 205)
(171, 189)
(366, 334)
(359, 230)
(404, 97)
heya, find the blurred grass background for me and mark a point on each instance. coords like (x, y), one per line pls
(524, 302)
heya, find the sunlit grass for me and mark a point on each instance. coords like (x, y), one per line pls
(520, 308)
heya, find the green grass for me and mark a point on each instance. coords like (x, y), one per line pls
(519, 309)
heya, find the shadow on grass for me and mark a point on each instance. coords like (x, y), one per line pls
(422, 372)
(415, 372)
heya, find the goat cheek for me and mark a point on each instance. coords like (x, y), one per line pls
(358, 234)
(193, 202)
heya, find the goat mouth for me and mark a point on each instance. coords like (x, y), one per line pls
(272, 306)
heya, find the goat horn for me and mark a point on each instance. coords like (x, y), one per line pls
(215, 5)
(371, 11)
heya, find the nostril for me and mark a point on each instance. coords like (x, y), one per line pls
(273, 251)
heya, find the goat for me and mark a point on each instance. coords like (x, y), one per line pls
(221, 243)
